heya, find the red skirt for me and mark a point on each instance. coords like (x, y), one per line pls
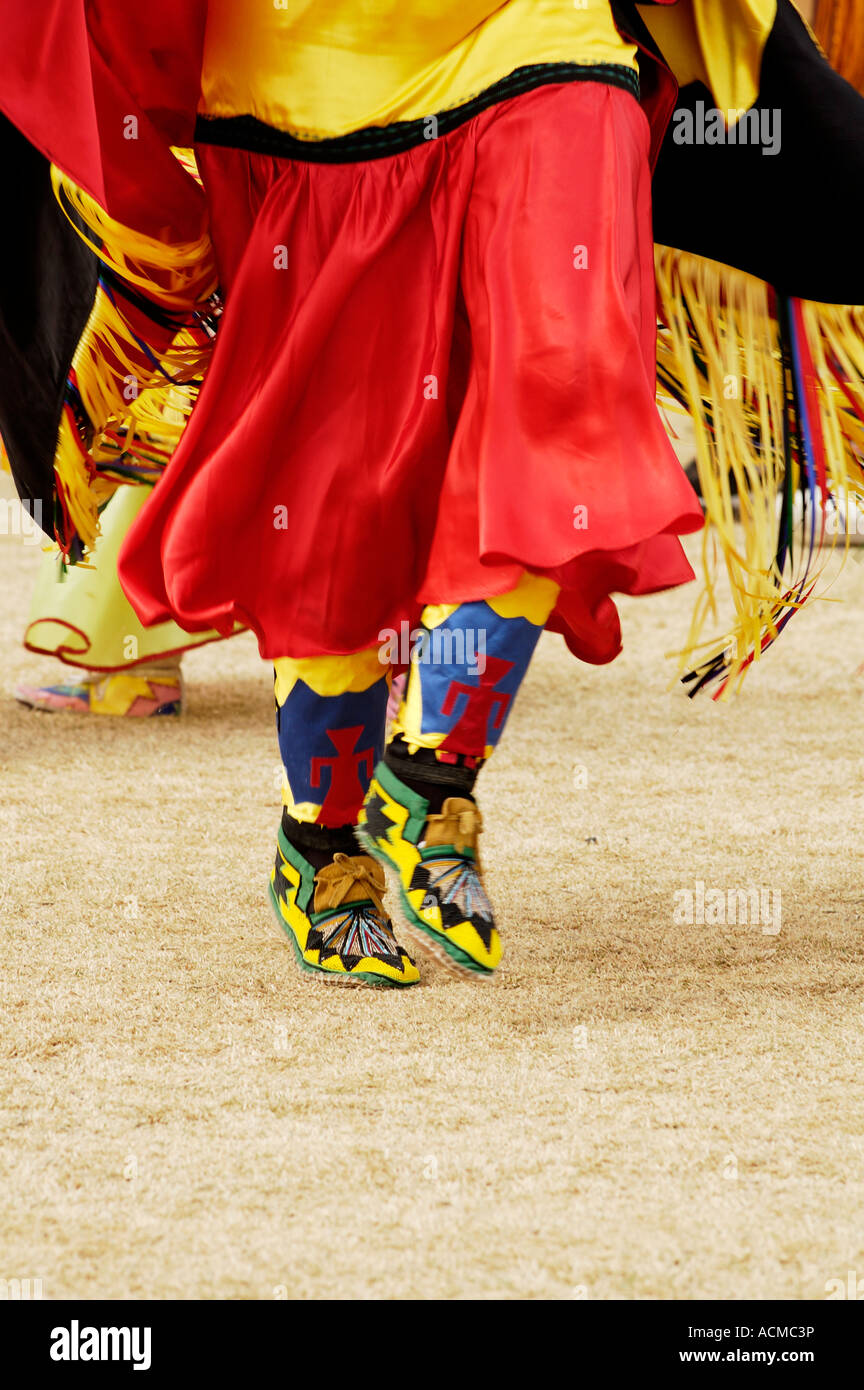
(435, 370)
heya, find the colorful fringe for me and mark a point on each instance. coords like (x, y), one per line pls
(129, 389)
(775, 388)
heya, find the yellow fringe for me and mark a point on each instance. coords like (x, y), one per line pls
(187, 158)
(123, 392)
(719, 355)
(187, 267)
(839, 330)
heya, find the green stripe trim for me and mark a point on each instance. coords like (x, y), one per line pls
(416, 805)
(303, 867)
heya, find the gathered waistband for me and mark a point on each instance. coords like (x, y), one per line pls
(377, 142)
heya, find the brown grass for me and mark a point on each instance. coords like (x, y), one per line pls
(633, 1109)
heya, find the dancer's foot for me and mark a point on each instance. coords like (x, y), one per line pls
(335, 919)
(130, 694)
(435, 856)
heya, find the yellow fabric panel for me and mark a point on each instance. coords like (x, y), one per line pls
(305, 811)
(434, 614)
(533, 598)
(718, 42)
(84, 617)
(330, 675)
(330, 67)
(120, 693)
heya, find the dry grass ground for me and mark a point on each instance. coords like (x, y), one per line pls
(634, 1109)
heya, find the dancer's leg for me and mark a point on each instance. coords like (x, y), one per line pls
(330, 714)
(420, 814)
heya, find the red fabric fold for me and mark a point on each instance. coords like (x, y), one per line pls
(103, 88)
(418, 382)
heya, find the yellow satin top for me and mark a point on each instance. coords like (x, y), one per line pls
(323, 68)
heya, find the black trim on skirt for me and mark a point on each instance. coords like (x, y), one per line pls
(377, 142)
